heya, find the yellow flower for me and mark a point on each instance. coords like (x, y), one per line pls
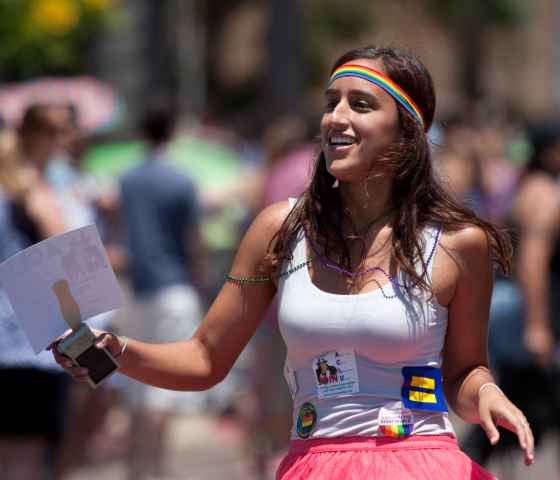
(98, 5)
(55, 17)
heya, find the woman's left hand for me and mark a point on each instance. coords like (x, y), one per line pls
(495, 409)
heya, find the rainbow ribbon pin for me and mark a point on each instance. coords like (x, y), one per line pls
(396, 431)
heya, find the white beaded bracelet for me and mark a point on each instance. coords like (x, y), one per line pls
(489, 384)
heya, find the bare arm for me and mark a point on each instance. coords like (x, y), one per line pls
(538, 215)
(206, 358)
(465, 362)
(465, 359)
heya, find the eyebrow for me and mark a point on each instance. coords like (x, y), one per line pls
(355, 91)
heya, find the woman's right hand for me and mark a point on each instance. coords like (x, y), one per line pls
(103, 339)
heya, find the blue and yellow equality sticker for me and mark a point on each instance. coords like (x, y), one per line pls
(422, 389)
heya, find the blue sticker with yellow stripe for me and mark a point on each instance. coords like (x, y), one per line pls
(422, 389)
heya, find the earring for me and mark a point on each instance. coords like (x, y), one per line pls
(336, 183)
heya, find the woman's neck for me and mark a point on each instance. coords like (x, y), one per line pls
(366, 201)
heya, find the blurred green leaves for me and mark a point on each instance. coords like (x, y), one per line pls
(39, 37)
(479, 13)
(468, 21)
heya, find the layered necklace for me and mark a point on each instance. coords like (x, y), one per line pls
(327, 263)
(352, 276)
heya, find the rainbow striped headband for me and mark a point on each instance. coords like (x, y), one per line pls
(382, 81)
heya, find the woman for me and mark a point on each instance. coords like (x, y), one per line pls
(379, 272)
(29, 213)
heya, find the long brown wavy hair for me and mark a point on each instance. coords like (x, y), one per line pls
(418, 199)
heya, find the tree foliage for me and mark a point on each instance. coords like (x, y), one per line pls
(48, 36)
(478, 13)
(467, 21)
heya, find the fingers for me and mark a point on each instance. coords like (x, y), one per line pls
(52, 346)
(109, 341)
(496, 409)
(76, 372)
(487, 424)
(102, 341)
(59, 357)
(518, 424)
(530, 450)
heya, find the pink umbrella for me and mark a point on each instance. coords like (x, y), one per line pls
(99, 107)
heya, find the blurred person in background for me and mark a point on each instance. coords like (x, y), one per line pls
(457, 163)
(537, 213)
(474, 162)
(525, 309)
(85, 436)
(34, 389)
(64, 172)
(379, 271)
(39, 213)
(495, 132)
(161, 215)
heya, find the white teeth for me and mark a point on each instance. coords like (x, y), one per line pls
(341, 140)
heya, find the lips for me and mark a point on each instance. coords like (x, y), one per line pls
(341, 140)
(340, 144)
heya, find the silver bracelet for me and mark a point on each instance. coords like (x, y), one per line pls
(489, 384)
(123, 342)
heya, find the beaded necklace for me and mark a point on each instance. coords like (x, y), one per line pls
(353, 275)
(240, 280)
(243, 280)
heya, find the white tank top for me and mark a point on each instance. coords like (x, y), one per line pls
(363, 364)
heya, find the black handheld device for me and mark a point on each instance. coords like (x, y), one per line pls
(80, 347)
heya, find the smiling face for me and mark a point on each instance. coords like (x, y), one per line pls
(360, 123)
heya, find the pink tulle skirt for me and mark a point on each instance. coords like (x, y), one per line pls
(418, 457)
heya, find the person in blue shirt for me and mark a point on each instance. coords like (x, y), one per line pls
(160, 215)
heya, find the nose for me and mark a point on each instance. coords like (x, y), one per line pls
(340, 114)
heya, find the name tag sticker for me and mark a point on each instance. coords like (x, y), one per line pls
(336, 374)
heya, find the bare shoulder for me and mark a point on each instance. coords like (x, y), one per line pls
(270, 219)
(467, 240)
(462, 251)
(261, 233)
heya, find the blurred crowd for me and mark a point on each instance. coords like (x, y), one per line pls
(154, 221)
